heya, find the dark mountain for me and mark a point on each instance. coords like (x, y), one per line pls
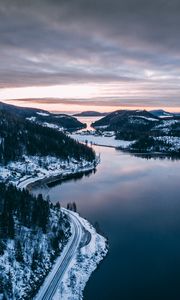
(43, 117)
(90, 114)
(19, 136)
(116, 119)
(160, 113)
(128, 124)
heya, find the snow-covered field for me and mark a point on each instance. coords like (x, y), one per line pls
(33, 168)
(108, 141)
(82, 265)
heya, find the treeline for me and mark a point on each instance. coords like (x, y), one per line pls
(132, 131)
(18, 137)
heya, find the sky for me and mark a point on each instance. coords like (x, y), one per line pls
(86, 54)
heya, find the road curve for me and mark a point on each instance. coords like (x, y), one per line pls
(53, 280)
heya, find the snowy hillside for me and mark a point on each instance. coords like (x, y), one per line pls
(33, 233)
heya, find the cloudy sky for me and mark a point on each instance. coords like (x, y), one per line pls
(77, 54)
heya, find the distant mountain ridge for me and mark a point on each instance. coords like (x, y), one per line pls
(160, 113)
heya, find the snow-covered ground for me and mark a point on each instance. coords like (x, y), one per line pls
(43, 114)
(33, 168)
(82, 265)
(51, 125)
(20, 276)
(46, 124)
(100, 140)
(172, 142)
(146, 118)
(165, 126)
(86, 258)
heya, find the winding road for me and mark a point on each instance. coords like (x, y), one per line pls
(53, 280)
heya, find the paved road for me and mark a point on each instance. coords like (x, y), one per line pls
(52, 281)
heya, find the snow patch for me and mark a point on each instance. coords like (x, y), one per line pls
(32, 119)
(43, 114)
(146, 118)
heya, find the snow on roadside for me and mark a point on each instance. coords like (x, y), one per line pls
(82, 265)
(33, 168)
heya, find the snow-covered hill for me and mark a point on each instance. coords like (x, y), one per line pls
(33, 233)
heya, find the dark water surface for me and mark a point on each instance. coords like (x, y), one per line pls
(137, 204)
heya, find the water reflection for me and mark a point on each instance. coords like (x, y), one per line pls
(155, 156)
(71, 177)
(136, 202)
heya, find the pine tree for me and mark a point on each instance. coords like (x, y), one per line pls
(18, 252)
(2, 247)
(11, 226)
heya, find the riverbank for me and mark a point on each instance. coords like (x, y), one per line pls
(35, 170)
(165, 147)
(45, 180)
(83, 264)
(89, 253)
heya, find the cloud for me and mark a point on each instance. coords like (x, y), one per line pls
(130, 42)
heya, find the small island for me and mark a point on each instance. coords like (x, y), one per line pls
(90, 114)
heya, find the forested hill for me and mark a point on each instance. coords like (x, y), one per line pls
(43, 117)
(122, 118)
(33, 233)
(19, 136)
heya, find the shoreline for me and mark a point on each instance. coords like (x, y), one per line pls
(124, 145)
(32, 182)
(56, 179)
(86, 260)
(91, 253)
(125, 150)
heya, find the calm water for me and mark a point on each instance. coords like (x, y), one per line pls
(88, 121)
(137, 204)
